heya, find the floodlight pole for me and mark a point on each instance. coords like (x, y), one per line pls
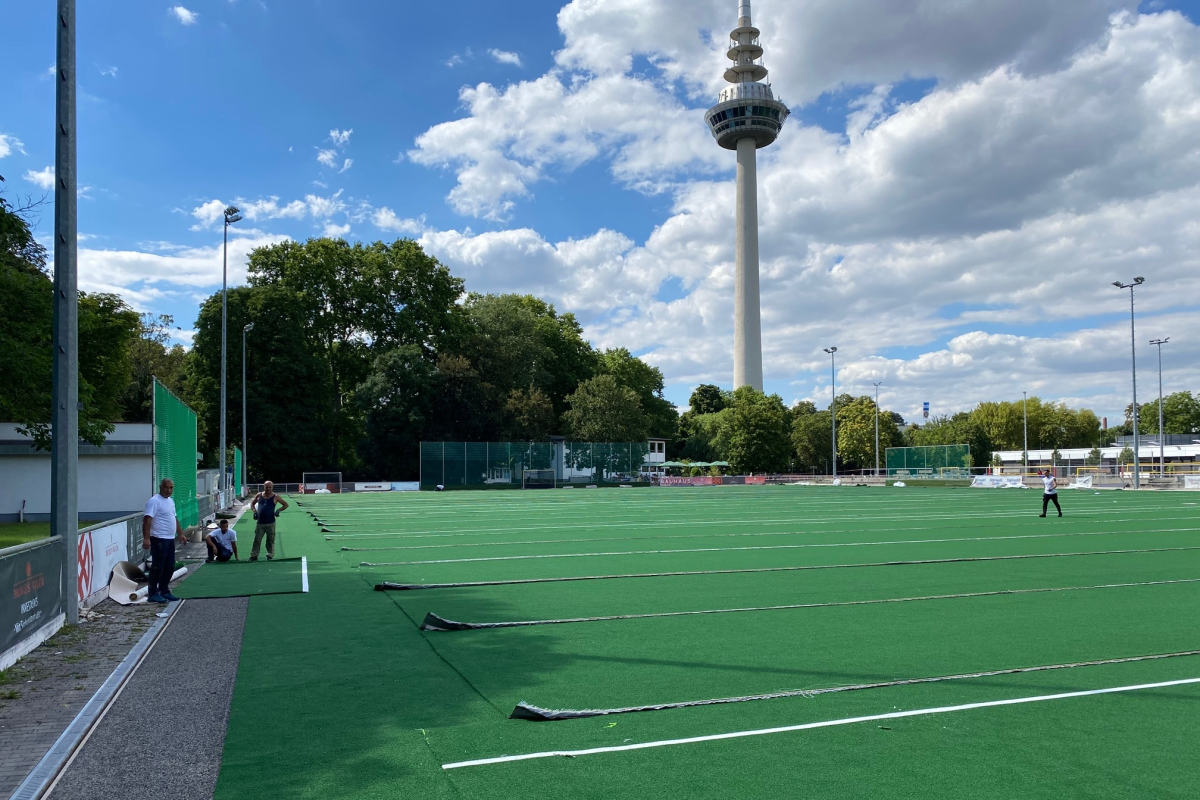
(232, 215)
(833, 404)
(1025, 412)
(877, 385)
(1162, 435)
(245, 463)
(1137, 464)
(64, 453)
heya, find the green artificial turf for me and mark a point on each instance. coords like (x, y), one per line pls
(244, 579)
(343, 696)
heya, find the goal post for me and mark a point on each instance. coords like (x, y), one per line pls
(538, 479)
(321, 483)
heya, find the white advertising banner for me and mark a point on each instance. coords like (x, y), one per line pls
(1082, 482)
(997, 482)
(372, 487)
(1191, 481)
(99, 551)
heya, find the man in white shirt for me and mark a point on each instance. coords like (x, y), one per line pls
(222, 543)
(1051, 491)
(160, 531)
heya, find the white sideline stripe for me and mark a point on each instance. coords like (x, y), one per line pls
(479, 762)
(304, 574)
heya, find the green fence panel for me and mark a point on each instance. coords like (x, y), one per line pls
(237, 472)
(175, 451)
(935, 461)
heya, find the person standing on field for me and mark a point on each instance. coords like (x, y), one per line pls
(160, 531)
(265, 510)
(1051, 491)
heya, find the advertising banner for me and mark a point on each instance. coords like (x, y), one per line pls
(756, 480)
(997, 482)
(372, 487)
(32, 605)
(99, 551)
(407, 486)
(1191, 481)
(671, 480)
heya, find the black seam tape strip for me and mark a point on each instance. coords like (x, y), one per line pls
(389, 586)
(434, 622)
(526, 711)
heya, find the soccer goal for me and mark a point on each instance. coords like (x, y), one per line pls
(538, 479)
(321, 483)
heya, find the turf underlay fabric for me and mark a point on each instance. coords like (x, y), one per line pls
(345, 697)
(244, 579)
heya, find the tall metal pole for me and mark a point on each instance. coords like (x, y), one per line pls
(245, 463)
(877, 428)
(1162, 434)
(833, 404)
(64, 453)
(224, 293)
(1025, 412)
(1137, 464)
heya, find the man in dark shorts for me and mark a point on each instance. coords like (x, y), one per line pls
(266, 506)
(222, 543)
(1051, 492)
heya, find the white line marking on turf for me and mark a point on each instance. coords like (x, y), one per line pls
(479, 762)
(304, 574)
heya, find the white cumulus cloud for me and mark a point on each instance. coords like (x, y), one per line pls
(327, 158)
(340, 138)
(185, 16)
(43, 178)
(506, 57)
(10, 143)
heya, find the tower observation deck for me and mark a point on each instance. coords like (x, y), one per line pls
(746, 117)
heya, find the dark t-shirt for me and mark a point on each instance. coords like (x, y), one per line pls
(266, 510)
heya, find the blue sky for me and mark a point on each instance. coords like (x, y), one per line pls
(236, 100)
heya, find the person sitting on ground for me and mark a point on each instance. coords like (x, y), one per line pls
(222, 543)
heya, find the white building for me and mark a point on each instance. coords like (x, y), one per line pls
(115, 479)
(1072, 457)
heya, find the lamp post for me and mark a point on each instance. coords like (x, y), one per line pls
(833, 404)
(1137, 466)
(877, 385)
(232, 215)
(1025, 412)
(1162, 435)
(245, 464)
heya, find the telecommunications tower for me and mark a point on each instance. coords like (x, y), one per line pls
(746, 117)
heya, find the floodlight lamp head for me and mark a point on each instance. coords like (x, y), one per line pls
(1139, 281)
(831, 350)
(249, 327)
(233, 214)
(1118, 284)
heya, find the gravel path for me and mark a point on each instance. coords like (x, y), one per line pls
(164, 735)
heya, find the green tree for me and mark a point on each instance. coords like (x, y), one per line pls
(150, 357)
(708, 399)
(1094, 457)
(702, 436)
(756, 432)
(602, 410)
(1181, 414)
(529, 415)
(289, 426)
(395, 399)
(1125, 456)
(961, 428)
(647, 382)
(811, 437)
(522, 342)
(107, 327)
(856, 433)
